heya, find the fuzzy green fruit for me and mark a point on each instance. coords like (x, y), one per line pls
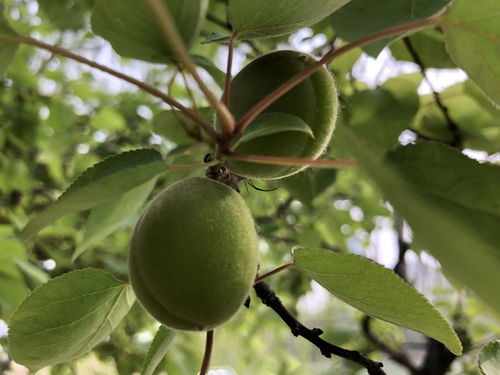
(314, 101)
(193, 255)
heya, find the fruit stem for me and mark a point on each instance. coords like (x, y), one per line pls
(277, 160)
(272, 272)
(142, 85)
(256, 110)
(208, 352)
(167, 26)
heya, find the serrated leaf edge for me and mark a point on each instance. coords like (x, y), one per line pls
(414, 291)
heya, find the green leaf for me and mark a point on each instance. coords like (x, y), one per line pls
(430, 47)
(264, 18)
(109, 178)
(217, 75)
(377, 291)
(33, 275)
(215, 37)
(489, 358)
(450, 203)
(363, 17)
(381, 114)
(472, 34)
(157, 350)
(113, 214)
(8, 44)
(131, 29)
(309, 184)
(64, 14)
(272, 123)
(169, 124)
(13, 288)
(67, 317)
(476, 117)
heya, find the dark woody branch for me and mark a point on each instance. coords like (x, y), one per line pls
(269, 298)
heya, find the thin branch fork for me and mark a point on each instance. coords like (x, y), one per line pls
(269, 298)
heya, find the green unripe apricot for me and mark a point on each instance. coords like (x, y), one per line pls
(314, 101)
(193, 255)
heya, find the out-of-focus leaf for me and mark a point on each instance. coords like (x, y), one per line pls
(64, 14)
(33, 275)
(451, 203)
(377, 291)
(66, 317)
(430, 47)
(132, 31)
(8, 44)
(111, 215)
(159, 346)
(218, 75)
(309, 184)
(472, 33)
(381, 114)
(489, 358)
(363, 17)
(107, 179)
(263, 18)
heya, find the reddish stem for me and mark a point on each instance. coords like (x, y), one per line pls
(272, 272)
(242, 123)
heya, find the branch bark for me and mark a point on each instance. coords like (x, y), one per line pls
(269, 298)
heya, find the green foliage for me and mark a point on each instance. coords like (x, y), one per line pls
(376, 291)
(130, 28)
(363, 17)
(67, 317)
(489, 358)
(157, 350)
(273, 123)
(105, 180)
(8, 44)
(391, 189)
(261, 18)
(471, 32)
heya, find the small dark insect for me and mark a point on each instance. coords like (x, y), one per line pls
(222, 174)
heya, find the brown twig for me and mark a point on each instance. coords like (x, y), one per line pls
(269, 298)
(452, 125)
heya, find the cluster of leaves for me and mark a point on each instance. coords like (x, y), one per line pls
(58, 121)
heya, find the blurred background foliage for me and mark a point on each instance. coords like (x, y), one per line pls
(58, 118)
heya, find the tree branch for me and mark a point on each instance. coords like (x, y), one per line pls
(396, 356)
(142, 85)
(452, 125)
(269, 298)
